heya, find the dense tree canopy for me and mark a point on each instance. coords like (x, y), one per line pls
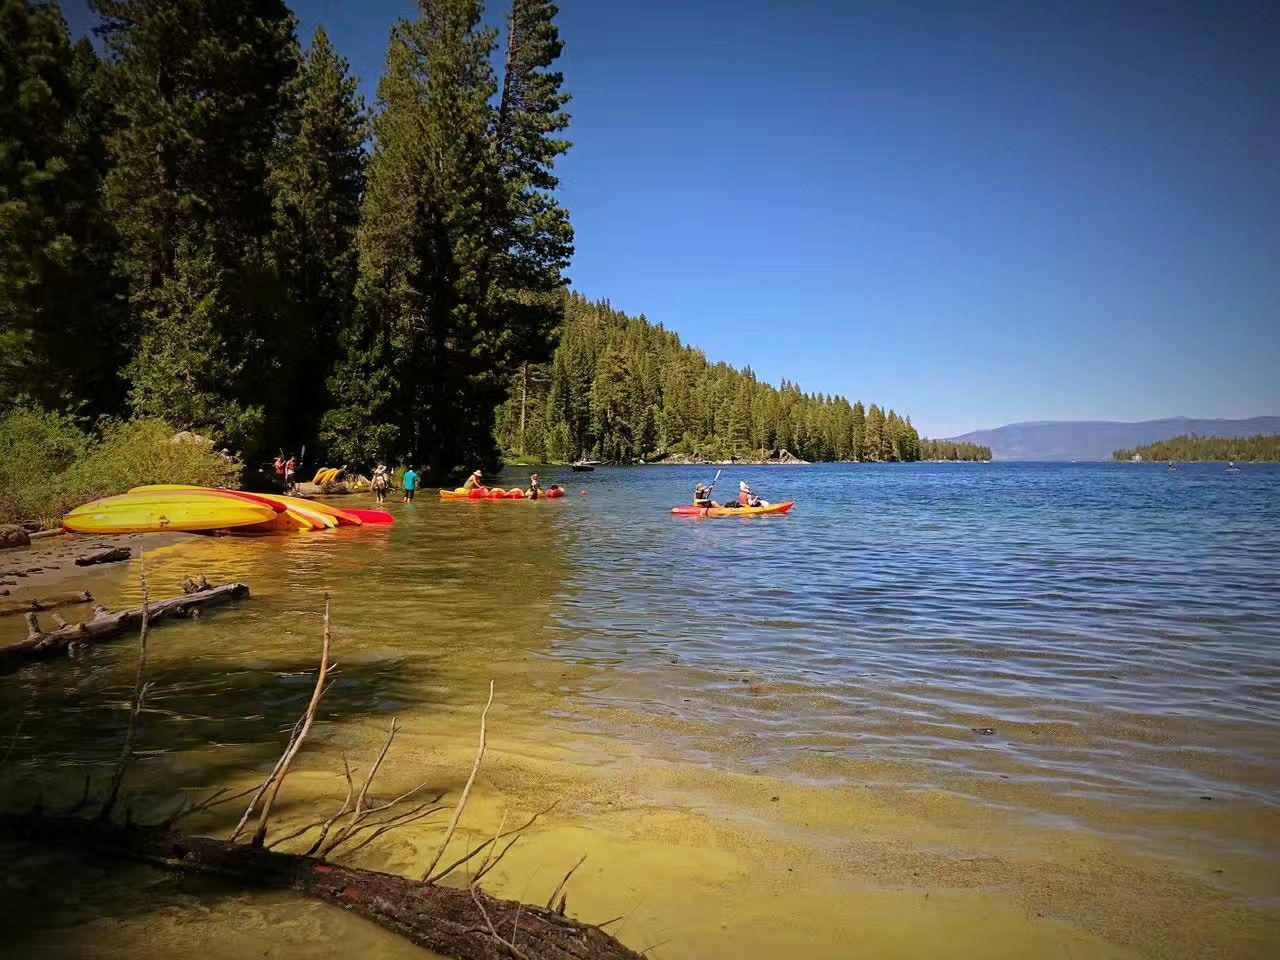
(623, 389)
(1195, 446)
(61, 306)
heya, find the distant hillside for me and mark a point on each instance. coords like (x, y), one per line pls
(1259, 449)
(1098, 439)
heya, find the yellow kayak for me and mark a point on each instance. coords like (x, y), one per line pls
(292, 519)
(164, 510)
(305, 513)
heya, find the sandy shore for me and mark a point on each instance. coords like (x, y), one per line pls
(48, 565)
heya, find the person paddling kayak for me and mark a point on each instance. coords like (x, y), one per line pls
(474, 482)
(748, 497)
(702, 496)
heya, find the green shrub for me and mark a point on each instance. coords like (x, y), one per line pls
(49, 465)
(36, 448)
(132, 453)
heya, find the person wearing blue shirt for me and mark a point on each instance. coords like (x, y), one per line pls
(410, 483)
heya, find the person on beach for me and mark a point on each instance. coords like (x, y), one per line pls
(474, 482)
(380, 482)
(290, 468)
(535, 490)
(278, 466)
(410, 483)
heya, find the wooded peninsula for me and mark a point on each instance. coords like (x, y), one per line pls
(1193, 446)
(205, 228)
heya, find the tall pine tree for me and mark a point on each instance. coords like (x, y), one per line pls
(200, 86)
(61, 308)
(316, 180)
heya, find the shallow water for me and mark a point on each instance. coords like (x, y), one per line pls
(768, 734)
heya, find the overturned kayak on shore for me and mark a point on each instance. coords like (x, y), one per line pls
(689, 510)
(497, 493)
(167, 510)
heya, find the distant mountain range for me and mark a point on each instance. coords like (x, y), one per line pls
(1097, 439)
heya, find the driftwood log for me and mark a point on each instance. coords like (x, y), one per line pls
(112, 555)
(462, 921)
(37, 604)
(106, 625)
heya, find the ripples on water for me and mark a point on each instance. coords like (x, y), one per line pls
(1116, 625)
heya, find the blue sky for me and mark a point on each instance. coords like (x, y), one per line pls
(974, 212)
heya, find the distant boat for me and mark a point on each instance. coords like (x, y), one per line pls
(585, 466)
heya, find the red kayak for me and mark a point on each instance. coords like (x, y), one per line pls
(370, 516)
(689, 510)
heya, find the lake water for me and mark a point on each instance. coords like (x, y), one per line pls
(983, 709)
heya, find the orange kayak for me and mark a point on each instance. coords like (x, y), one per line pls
(689, 510)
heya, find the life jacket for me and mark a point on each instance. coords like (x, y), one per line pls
(744, 498)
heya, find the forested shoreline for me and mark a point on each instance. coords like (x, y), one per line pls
(1193, 446)
(205, 226)
(623, 389)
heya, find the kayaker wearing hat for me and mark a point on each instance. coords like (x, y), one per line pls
(747, 497)
(474, 482)
(702, 496)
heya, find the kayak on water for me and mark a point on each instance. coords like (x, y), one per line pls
(497, 493)
(689, 510)
(373, 517)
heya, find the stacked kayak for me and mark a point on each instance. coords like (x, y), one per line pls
(195, 509)
(497, 493)
(689, 510)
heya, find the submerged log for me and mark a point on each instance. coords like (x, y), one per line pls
(36, 604)
(465, 923)
(104, 556)
(106, 625)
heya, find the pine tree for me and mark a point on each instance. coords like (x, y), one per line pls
(61, 309)
(873, 438)
(200, 88)
(316, 180)
(532, 239)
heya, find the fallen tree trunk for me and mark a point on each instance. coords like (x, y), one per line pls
(465, 923)
(104, 556)
(106, 625)
(36, 604)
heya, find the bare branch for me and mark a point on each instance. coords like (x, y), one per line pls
(387, 825)
(264, 818)
(466, 792)
(135, 705)
(480, 874)
(346, 802)
(560, 886)
(262, 787)
(492, 845)
(364, 791)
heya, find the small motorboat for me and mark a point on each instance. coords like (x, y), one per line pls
(584, 466)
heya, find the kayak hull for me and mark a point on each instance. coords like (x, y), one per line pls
(371, 517)
(140, 513)
(497, 493)
(689, 510)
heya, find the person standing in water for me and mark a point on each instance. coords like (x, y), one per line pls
(410, 483)
(380, 482)
(535, 489)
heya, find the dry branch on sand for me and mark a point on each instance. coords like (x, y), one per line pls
(462, 922)
(106, 625)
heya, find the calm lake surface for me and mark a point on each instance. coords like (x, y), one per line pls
(984, 709)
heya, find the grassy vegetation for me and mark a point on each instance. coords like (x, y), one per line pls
(50, 464)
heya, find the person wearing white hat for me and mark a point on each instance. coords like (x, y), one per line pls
(747, 497)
